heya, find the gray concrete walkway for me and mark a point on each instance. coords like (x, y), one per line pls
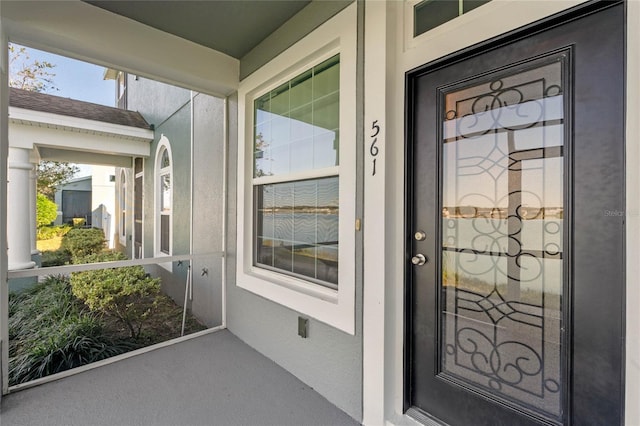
(214, 379)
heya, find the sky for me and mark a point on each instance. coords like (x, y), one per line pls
(77, 80)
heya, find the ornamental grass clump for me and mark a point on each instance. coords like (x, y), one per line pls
(127, 294)
(51, 331)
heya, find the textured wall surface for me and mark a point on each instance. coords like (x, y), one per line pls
(170, 110)
(208, 206)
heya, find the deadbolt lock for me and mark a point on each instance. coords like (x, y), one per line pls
(420, 236)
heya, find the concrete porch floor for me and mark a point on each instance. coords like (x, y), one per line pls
(215, 379)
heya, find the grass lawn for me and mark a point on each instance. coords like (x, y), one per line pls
(49, 245)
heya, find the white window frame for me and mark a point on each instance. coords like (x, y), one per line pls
(122, 207)
(140, 174)
(333, 307)
(163, 145)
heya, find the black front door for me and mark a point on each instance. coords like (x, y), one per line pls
(515, 228)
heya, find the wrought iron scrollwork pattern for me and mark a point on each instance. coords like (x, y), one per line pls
(502, 236)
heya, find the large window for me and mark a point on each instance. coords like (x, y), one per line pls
(296, 154)
(296, 175)
(164, 195)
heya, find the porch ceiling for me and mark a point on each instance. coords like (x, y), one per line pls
(232, 27)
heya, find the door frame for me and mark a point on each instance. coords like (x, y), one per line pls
(410, 76)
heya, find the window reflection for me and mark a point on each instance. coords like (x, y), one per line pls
(297, 228)
(296, 124)
(502, 238)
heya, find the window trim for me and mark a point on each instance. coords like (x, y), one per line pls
(122, 207)
(134, 194)
(441, 31)
(333, 307)
(163, 144)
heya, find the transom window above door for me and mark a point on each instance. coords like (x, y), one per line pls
(429, 14)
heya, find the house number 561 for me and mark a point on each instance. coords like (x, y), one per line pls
(373, 149)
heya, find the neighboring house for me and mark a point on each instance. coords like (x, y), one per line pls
(74, 200)
(442, 197)
(91, 198)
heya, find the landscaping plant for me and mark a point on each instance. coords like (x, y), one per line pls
(46, 211)
(51, 331)
(55, 258)
(125, 293)
(80, 242)
(50, 232)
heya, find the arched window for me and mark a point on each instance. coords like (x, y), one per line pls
(122, 224)
(164, 196)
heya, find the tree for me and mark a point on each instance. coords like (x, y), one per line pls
(46, 211)
(51, 174)
(36, 76)
(27, 74)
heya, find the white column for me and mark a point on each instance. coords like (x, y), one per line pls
(32, 209)
(18, 206)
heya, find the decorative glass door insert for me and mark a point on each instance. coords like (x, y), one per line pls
(502, 271)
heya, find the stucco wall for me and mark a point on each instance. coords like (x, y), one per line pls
(208, 206)
(156, 101)
(186, 123)
(169, 109)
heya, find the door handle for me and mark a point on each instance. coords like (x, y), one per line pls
(419, 260)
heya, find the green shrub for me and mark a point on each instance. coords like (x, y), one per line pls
(126, 294)
(78, 222)
(82, 242)
(50, 331)
(49, 232)
(55, 258)
(46, 210)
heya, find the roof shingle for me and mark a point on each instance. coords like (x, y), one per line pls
(73, 108)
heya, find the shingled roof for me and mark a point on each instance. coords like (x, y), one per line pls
(35, 101)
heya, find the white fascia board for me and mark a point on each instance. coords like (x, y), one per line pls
(85, 32)
(80, 124)
(28, 136)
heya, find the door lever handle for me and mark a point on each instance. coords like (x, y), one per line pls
(419, 260)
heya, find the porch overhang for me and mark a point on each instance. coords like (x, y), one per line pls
(63, 138)
(85, 32)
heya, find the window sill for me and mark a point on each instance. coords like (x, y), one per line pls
(168, 265)
(333, 307)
